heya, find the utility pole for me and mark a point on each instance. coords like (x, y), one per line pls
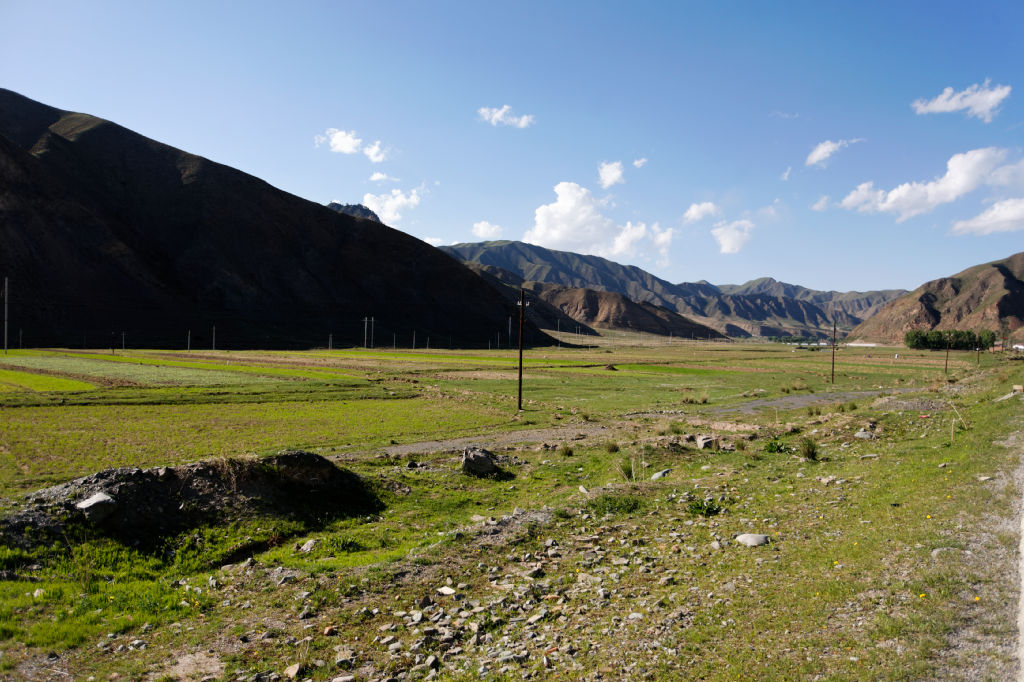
(509, 331)
(833, 352)
(372, 327)
(366, 323)
(522, 309)
(122, 342)
(946, 369)
(330, 342)
(188, 342)
(414, 339)
(214, 344)
(7, 295)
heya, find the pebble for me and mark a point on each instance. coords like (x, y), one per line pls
(752, 539)
(661, 474)
(446, 591)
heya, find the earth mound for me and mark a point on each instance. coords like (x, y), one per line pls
(141, 507)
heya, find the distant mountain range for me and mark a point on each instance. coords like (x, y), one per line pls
(104, 231)
(987, 296)
(762, 307)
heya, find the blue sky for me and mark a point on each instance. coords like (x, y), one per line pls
(695, 140)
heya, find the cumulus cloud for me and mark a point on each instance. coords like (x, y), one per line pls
(1003, 216)
(820, 154)
(433, 241)
(504, 116)
(732, 237)
(964, 173)
(375, 152)
(640, 163)
(390, 205)
(785, 175)
(340, 141)
(699, 211)
(980, 101)
(821, 204)
(382, 177)
(486, 230)
(610, 173)
(783, 114)
(575, 222)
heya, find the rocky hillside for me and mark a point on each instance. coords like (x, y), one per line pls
(987, 296)
(354, 210)
(578, 309)
(760, 308)
(105, 231)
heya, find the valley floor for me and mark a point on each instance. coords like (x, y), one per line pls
(613, 547)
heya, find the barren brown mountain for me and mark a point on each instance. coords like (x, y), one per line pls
(987, 296)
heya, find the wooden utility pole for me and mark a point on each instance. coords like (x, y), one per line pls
(7, 295)
(213, 346)
(188, 342)
(330, 342)
(833, 352)
(946, 369)
(522, 307)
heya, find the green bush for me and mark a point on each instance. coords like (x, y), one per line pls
(808, 449)
(706, 508)
(609, 503)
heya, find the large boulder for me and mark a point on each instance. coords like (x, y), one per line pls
(479, 462)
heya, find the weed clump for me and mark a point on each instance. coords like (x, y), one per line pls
(776, 446)
(609, 503)
(808, 449)
(565, 450)
(611, 447)
(706, 508)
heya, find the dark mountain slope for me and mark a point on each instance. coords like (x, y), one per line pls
(987, 296)
(105, 231)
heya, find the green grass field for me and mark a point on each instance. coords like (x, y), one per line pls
(865, 576)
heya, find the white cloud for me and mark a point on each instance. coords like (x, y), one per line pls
(433, 241)
(375, 152)
(964, 173)
(821, 204)
(504, 116)
(783, 114)
(772, 210)
(732, 237)
(698, 211)
(389, 206)
(1003, 216)
(825, 149)
(785, 176)
(575, 222)
(382, 177)
(610, 173)
(662, 240)
(1011, 175)
(341, 141)
(980, 101)
(640, 163)
(486, 230)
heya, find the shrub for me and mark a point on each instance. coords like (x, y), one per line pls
(615, 504)
(777, 446)
(565, 450)
(611, 447)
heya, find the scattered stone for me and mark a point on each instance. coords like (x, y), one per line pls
(752, 539)
(865, 435)
(869, 456)
(479, 462)
(584, 490)
(293, 671)
(446, 591)
(984, 478)
(308, 546)
(97, 507)
(661, 474)
(706, 442)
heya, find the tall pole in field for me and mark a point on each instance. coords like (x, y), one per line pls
(946, 368)
(522, 307)
(833, 352)
(188, 342)
(213, 346)
(7, 294)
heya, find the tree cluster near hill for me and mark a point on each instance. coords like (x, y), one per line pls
(958, 339)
